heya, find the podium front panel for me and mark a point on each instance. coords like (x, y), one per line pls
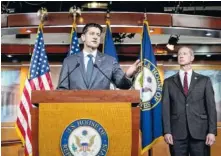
(77, 128)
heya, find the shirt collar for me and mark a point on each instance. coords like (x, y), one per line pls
(94, 53)
(189, 72)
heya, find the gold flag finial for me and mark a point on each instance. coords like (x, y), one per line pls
(108, 16)
(145, 15)
(75, 12)
(42, 14)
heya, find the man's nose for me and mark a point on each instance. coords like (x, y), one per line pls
(95, 37)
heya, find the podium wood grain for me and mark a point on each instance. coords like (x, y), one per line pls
(92, 96)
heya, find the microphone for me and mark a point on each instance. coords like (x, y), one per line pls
(95, 65)
(77, 65)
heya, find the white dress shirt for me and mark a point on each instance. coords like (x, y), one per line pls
(86, 58)
(189, 75)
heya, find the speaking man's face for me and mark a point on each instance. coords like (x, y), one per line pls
(92, 37)
(185, 56)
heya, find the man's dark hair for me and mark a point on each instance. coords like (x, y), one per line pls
(89, 25)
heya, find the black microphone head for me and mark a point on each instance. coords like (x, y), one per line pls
(95, 65)
(78, 64)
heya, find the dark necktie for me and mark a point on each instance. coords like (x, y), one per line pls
(90, 67)
(185, 84)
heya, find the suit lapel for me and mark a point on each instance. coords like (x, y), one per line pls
(178, 82)
(98, 61)
(82, 67)
(194, 80)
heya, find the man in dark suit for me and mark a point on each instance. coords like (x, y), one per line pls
(91, 69)
(189, 112)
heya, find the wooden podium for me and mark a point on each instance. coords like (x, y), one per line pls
(65, 99)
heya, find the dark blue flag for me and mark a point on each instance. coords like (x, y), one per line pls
(151, 93)
(109, 47)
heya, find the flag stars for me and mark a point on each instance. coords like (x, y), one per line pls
(74, 47)
(39, 63)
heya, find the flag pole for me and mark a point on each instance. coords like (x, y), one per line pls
(107, 17)
(75, 12)
(150, 151)
(43, 15)
(107, 22)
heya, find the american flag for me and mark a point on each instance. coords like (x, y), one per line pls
(39, 79)
(74, 46)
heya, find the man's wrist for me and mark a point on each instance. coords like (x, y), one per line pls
(129, 78)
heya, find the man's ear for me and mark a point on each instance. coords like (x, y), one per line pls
(83, 37)
(192, 58)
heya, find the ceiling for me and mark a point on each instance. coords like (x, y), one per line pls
(191, 36)
(207, 8)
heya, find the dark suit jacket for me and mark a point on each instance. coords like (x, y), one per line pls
(197, 110)
(77, 79)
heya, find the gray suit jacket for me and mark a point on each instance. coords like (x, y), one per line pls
(196, 111)
(77, 79)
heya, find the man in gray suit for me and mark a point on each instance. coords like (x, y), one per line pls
(91, 69)
(189, 112)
